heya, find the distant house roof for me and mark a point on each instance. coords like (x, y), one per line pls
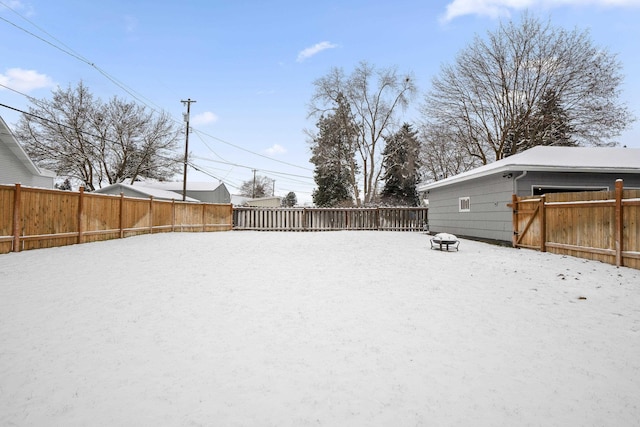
(178, 185)
(272, 202)
(238, 200)
(554, 159)
(142, 191)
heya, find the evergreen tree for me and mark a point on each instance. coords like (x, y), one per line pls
(333, 154)
(401, 163)
(552, 122)
(65, 185)
(547, 124)
(290, 200)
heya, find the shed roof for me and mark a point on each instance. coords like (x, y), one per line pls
(178, 185)
(143, 192)
(554, 159)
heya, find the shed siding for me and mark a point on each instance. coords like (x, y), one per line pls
(574, 179)
(218, 195)
(489, 216)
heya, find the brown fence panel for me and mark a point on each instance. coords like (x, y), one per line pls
(48, 218)
(631, 228)
(600, 225)
(526, 223)
(7, 195)
(32, 218)
(136, 217)
(162, 216)
(100, 217)
(188, 217)
(218, 217)
(584, 230)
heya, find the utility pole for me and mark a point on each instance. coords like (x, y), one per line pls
(273, 188)
(253, 196)
(186, 147)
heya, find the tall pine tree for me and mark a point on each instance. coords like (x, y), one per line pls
(401, 164)
(333, 154)
(547, 124)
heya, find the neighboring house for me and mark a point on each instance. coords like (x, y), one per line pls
(264, 202)
(238, 200)
(207, 192)
(474, 203)
(141, 192)
(15, 165)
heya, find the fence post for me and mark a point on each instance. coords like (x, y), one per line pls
(619, 218)
(543, 224)
(150, 214)
(16, 218)
(514, 210)
(80, 213)
(173, 215)
(121, 219)
(304, 218)
(204, 206)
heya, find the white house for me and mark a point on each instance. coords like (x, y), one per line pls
(15, 165)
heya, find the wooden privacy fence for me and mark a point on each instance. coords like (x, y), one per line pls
(32, 218)
(322, 219)
(598, 225)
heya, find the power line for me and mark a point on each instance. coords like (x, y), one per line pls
(193, 165)
(252, 167)
(136, 95)
(254, 153)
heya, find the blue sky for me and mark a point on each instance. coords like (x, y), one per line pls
(250, 64)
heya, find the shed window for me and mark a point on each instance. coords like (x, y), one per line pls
(540, 190)
(464, 204)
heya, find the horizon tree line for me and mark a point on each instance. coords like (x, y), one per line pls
(526, 83)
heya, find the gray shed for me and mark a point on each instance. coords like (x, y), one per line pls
(140, 191)
(207, 192)
(474, 203)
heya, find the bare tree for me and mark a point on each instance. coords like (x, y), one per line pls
(492, 91)
(79, 137)
(374, 98)
(442, 156)
(257, 187)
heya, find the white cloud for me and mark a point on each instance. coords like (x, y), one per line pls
(500, 8)
(25, 80)
(315, 49)
(17, 5)
(204, 118)
(276, 149)
(130, 23)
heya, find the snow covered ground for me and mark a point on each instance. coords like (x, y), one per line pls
(300, 329)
